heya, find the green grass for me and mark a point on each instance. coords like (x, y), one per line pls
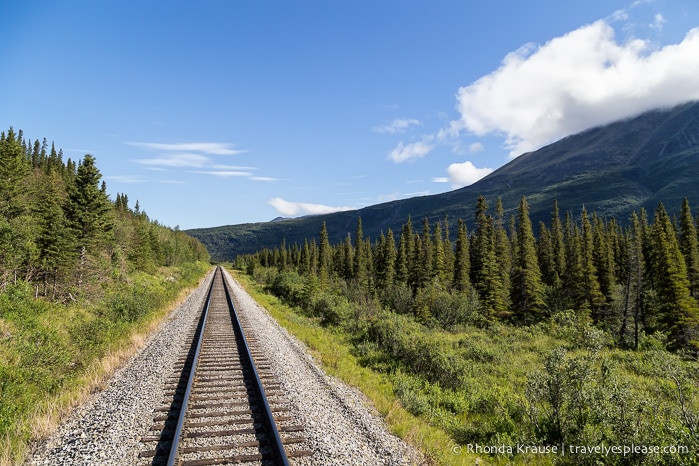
(499, 385)
(52, 355)
(335, 353)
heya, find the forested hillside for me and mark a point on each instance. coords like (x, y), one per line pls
(79, 274)
(577, 331)
(60, 231)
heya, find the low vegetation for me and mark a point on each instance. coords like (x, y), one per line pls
(576, 347)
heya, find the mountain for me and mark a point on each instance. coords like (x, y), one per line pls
(612, 170)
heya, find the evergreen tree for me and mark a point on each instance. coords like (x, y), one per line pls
(603, 258)
(360, 269)
(438, 255)
(590, 296)
(386, 261)
(462, 260)
(678, 310)
(448, 249)
(527, 289)
(405, 247)
(485, 270)
(88, 211)
(633, 284)
(689, 245)
(324, 256)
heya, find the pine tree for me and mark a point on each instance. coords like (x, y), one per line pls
(405, 247)
(386, 261)
(603, 258)
(590, 296)
(632, 283)
(462, 260)
(360, 269)
(527, 289)
(448, 249)
(17, 230)
(485, 270)
(438, 255)
(678, 310)
(88, 211)
(557, 244)
(324, 256)
(689, 245)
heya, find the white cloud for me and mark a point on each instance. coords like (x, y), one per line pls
(658, 22)
(263, 178)
(414, 150)
(574, 82)
(126, 178)
(291, 209)
(397, 126)
(177, 160)
(476, 147)
(212, 148)
(463, 174)
(223, 173)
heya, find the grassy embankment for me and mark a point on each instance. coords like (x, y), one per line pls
(52, 356)
(333, 350)
(561, 382)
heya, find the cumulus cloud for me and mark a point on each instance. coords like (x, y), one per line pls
(463, 174)
(292, 209)
(415, 150)
(582, 79)
(397, 126)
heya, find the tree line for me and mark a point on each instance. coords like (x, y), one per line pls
(629, 279)
(60, 231)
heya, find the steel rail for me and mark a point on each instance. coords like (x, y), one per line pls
(276, 440)
(174, 447)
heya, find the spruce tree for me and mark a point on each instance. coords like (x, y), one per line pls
(324, 256)
(689, 245)
(405, 247)
(678, 310)
(591, 297)
(462, 260)
(386, 261)
(527, 289)
(438, 255)
(485, 270)
(88, 211)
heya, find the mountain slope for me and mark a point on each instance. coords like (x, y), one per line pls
(612, 170)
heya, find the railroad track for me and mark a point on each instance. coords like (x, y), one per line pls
(222, 404)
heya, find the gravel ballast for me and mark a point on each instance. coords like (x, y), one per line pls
(106, 429)
(341, 425)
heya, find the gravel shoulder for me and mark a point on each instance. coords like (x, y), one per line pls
(106, 429)
(339, 421)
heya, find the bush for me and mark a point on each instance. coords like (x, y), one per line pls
(288, 286)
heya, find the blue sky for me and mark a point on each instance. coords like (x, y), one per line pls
(222, 112)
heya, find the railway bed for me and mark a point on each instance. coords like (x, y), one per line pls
(222, 404)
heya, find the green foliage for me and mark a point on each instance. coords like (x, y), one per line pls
(47, 348)
(71, 281)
